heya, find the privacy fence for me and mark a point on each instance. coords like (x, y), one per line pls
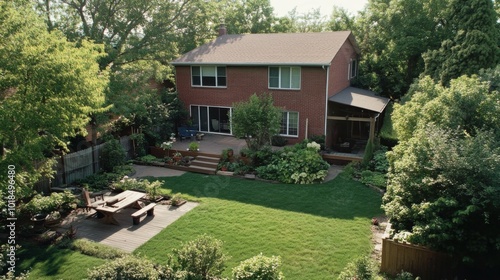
(418, 260)
(78, 165)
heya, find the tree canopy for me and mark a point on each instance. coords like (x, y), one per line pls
(444, 182)
(256, 120)
(473, 45)
(49, 88)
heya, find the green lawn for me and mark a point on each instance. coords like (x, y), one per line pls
(316, 229)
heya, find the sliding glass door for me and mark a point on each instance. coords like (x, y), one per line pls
(212, 119)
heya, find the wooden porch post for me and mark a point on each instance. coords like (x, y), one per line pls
(372, 129)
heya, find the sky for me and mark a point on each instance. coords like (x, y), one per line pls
(282, 7)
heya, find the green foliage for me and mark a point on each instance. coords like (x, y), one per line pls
(362, 268)
(103, 180)
(131, 268)
(91, 248)
(372, 178)
(379, 162)
(46, 204)
(278, 141)
(467, 103)
(148, 158)
(472, 46)
(392, 36)
(256, 120)
(112, 155)
(259, 267)
(49, 88)
(296, 165)
(194, 146)
(202, 258)
(444, 188)
(139, 144)
(368, 155)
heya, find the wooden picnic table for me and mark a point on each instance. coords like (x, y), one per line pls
(118, 202)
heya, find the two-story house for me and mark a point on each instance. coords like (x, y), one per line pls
(308, 74)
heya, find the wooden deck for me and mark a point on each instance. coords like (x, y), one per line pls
(126, 236)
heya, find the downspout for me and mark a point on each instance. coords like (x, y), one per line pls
(326, 96)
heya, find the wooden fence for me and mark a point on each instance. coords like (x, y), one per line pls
(418, 260)
(78, 165)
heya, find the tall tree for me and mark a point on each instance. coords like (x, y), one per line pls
(247, 16)
(49, 88)
(474, 44)
(393, 35)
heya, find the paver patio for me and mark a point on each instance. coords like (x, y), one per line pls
(125, 236)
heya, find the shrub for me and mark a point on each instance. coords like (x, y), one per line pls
(360, 269)
(97, 250)
(131, 268)
(148, 158)
(194, 146)
(201, 258)
(101, 181)
(379, 161)
(46, 204)
(300, 164)
(259, 268)
(112, 155)
(376, 179)
(278, 141)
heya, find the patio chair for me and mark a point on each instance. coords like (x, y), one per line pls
(184, 132)
(87, 198)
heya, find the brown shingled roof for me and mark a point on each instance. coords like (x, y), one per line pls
(270, 49)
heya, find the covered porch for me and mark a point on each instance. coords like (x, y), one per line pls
(354, 117)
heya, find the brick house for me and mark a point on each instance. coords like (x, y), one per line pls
(308, 74)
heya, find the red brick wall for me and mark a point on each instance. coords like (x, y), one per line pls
(242, 82)
(339, 69)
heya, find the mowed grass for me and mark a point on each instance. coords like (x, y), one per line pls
(316, 229)
(52, 262)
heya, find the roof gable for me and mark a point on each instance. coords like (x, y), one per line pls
(270, 49)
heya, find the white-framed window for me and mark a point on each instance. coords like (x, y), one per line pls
(208, 76)
(284, 77)
(289, 124)
(352, 69)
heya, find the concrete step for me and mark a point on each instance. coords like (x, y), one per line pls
(208, 158)
(202, 163)
(201, 169)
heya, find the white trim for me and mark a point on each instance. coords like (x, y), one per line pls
(279, 77)
(288, 124)
(208, 112)
(326, 99)
(201, 76)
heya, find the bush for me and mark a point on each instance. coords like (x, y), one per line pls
(112, 155)
(97, 250)
(360, 269)
(300, 164)
(46, 204)
(259, 268)
(379, 162)
(148, 158)
(201, 258)
(278, 141)
(372, 178)
(101, 181)
(131, 268)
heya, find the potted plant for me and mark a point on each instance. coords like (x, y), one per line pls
(176, 200)
(230, 153)
(177, 156)
(153, 191)
(194, 147)
(53, 218)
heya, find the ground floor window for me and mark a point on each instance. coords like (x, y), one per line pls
(290, 124)
(211, 119)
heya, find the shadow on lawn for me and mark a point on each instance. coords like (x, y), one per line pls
(52, 258)
(340, 198)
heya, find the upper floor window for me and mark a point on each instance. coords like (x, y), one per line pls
(352, 69)
(284, 77)
(208, 76)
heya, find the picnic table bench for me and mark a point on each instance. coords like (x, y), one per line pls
(148, 208)
(117, 203)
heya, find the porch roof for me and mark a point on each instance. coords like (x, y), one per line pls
(361, 98)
